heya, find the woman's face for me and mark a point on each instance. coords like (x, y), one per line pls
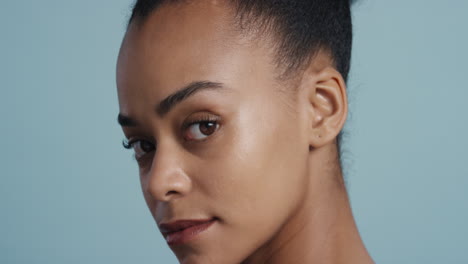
(233, 149)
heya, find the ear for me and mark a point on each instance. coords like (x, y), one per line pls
(327, 105)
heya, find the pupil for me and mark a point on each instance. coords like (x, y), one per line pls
(207, 128)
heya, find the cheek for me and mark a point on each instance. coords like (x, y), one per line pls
(265, 181)
(265, 162)
(256, 182)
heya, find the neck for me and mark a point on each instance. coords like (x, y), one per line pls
(322, 230)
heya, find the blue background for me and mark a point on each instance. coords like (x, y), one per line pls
(69, 193)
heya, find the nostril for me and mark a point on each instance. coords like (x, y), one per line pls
(171, 192)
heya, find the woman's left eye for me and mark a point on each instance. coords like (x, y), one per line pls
(201, 130)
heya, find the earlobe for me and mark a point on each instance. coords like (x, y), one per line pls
(329, 107)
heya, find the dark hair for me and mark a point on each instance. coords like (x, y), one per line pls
(302, 28)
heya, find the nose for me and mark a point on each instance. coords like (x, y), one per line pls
(167, 179)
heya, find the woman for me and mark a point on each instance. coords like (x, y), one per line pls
(233, 109)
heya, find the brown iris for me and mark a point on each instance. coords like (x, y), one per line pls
(207, 128)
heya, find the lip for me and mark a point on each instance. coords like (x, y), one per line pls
(182, 231)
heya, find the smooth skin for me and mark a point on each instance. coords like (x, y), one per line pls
(263, 161)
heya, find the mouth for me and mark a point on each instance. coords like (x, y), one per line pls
(182, 231)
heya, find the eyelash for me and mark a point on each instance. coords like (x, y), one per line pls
(128, 144)
(200, 120)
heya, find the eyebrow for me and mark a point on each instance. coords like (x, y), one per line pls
(172, 100)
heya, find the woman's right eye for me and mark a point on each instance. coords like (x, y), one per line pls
(141, 147)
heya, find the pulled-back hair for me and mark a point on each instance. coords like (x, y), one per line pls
(302, 27)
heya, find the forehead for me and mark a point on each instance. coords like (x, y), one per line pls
(185, 42)
(200, 25)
